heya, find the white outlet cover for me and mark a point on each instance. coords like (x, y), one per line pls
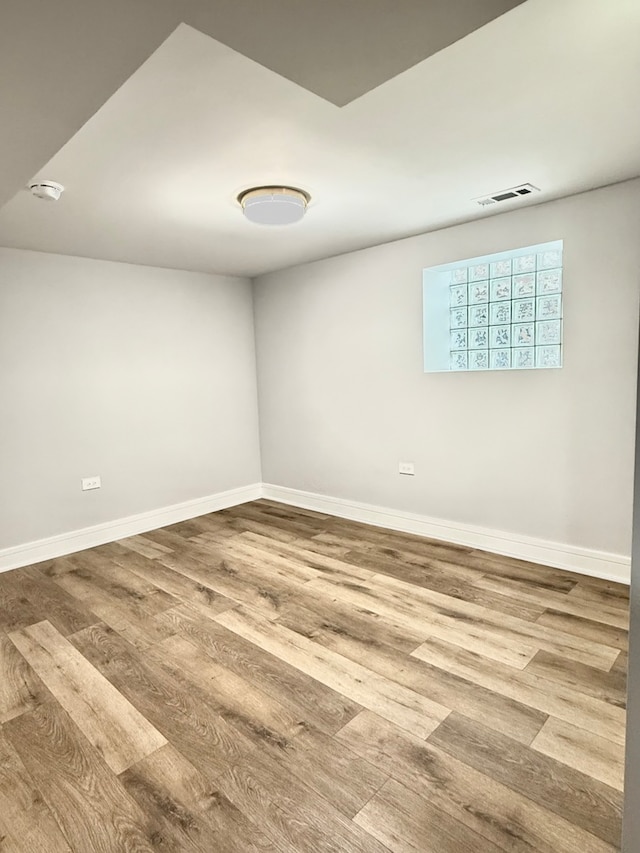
(89, 483)
(406, 468)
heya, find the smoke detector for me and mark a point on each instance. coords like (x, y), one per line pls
(507, 195)
(47, 190)
(274, 205)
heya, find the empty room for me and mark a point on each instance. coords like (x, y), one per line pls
(318, 406)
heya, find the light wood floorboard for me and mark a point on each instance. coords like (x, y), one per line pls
(268, 678)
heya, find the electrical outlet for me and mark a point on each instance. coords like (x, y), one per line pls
(90, 483)
(406, 468)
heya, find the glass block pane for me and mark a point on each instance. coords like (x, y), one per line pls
(523, 357)
(458, 339)
(500, 268)
(479, 338)
(549, 307)
(478, 292)
(522, 335)
(500, 359)
(548, 356)
(479, 272)
(500, 312)
(524, 285)
(523, 310)
(479, 315)
(549, 281)
(458, 318)
(458, 295)
(479, 360)
(548, 332)
(500, 336)
(459, 276)
(525, 263)
(500, 289)
(549, 260)
(496, 312)
(459, 360)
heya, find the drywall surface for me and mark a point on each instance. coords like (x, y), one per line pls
(631, 817)
(143, 376)
(541, 453)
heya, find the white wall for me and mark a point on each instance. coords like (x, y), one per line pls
(546, 454)
(143, 376)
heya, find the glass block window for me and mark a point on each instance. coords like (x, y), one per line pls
(497, 312)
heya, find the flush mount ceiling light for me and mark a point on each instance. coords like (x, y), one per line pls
(274, 205)
(47, 190)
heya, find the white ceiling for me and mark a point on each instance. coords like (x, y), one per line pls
(59, 62)
(546, 93)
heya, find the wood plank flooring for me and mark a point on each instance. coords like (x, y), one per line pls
(272, 679)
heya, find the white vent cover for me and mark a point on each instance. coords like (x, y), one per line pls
(520, 191)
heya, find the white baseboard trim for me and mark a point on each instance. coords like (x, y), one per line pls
(110, 531)
(599, 564)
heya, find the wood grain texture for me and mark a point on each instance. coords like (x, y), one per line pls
(26, 823)
(331, 769)
(88, 801)
(589, 804)
(347, 638)
(547, 695)
(310, 555)
(324, 708)
(447, 578)
(511, 630)
(431, 620)
(177, 707)
(235, 700)
(406, 823)
(181, 588)
(190, 810)
(596, 757)
(230, 577)
(602, 593)
(553, 600)
(111, 723)
(26, 597)
(266, 678)
(20, 687)
(405, 707)
(290, 812)
(118, 597)
(530, 574)
(582, 626)
(494, 811)
(609, 686)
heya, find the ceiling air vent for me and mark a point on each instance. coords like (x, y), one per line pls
(507, 195)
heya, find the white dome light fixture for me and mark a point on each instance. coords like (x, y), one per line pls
(274, 205)
(46, 190)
